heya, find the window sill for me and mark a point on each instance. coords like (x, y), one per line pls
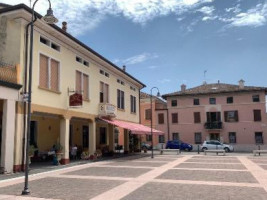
(87, 100)
(49, 90)
(134, 113)
(120, 109)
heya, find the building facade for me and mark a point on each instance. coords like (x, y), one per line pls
(62, 67)
(234, 114)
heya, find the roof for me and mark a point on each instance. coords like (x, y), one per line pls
(23, 6)
(4, 5)
(215, 88)
(10, 85)
(144, 95)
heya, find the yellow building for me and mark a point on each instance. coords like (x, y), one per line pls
(63, 66)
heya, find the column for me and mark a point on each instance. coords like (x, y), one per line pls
(126, 141)
(8, 135)
(92, 137)
(64, 139)
(111, 137)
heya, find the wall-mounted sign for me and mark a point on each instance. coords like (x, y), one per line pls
(76, 100)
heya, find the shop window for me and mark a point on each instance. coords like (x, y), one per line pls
(103, 135)
(232, 137)
(258, 138)
(198, 138)
(161, 139)
(175, 136)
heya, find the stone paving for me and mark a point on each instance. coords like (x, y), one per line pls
(168, 176)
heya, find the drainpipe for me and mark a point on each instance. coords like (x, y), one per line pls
(168, 125)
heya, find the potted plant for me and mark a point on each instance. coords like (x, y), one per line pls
(32, 149)
(58, 151)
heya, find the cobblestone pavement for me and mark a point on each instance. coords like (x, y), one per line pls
(168, 176)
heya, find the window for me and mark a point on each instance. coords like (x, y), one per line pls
(82, 84)
(161, 139)
(104, 93)
(148, 114)
(161, 118)
(230, 100)
(101, 72)
(106, 74)
(86, 63)
(116, 135)
(257, 115)
(132, 88)
(258, 138)
(120, 99)
(198, 138)
(103, 135)
(196, 101)
(78, 59)
(148, 138)
(212, 100)
(55, 46)
(133, 104)
(231, 116)
(174, 118)
(232, 137)
(175, 136)
(174, 103)
(49, 73)
(197, 118)
(44, 41)
(256, 98)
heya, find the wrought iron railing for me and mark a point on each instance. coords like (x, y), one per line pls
(213, 125)
(9, 72)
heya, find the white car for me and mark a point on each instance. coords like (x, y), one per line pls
(215, 144)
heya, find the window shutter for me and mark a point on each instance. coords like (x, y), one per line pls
(85, 86)
(197, 117)
(54, 77)
(236, 116)
(78, 82)
(225, 116)
(43, 78)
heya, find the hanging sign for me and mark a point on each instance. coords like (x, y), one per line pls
(76, 100)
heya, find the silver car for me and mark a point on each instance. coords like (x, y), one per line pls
(215, 144)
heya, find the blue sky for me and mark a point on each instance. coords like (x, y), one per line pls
(166, 43)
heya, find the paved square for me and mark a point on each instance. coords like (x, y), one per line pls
(140, 164)
(63, 188)
(209, 160)
(210, 166)
(153, 191)
(110, 171)
(218, 176)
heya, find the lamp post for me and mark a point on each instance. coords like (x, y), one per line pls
(158, 95)
(49, 18)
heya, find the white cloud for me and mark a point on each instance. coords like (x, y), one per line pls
(84, 15)
(207, 10)
(137, 59)
(165, 80)
(253, 17)
(235, 9)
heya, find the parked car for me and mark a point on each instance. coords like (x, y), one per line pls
(145, 146)
(215, 144)
(178, 144)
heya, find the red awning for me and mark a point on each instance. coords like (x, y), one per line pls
(133, 127)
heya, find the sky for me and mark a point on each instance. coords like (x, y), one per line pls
(167, 43)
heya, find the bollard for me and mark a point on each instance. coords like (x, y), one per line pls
(259, 147)
(197, 149)
(216, 149)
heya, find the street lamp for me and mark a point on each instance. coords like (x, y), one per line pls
(49, 18)
(158, 95)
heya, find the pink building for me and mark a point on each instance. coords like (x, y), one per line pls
(234, 114)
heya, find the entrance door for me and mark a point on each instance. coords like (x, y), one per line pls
(0, 134)
(214, 136)
(85, 136)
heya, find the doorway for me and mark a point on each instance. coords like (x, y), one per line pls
(215, 136)
(0, 134)
(33, 136)
(85, 136)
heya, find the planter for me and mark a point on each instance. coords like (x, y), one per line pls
(59, 157)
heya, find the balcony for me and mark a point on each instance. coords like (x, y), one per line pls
(9, 73)
(107, 110)
(213, 125)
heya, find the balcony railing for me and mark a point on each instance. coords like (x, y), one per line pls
(107, 110)
(9, 73)
(213, 125)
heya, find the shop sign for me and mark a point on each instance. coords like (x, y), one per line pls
(76, 100)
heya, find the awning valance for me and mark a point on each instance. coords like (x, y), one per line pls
(134, 128)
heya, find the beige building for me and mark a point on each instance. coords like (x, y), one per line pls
(62, 66)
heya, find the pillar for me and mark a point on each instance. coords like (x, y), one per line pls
(64, 139)
(8, 135)
(126, 141)
(92, 137)
(111, 137)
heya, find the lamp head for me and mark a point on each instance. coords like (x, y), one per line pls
(158, 94)
(49, 18)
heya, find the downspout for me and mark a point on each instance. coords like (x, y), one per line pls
(168, 125)
(25, 92)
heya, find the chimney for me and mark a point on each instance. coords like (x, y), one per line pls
(241, 84)
(64, 26)
(183, 87)
(124, 68)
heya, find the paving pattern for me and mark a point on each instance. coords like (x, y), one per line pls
(168, 176)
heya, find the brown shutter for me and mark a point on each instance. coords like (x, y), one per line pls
(174, 117)
(85, 86)
(197, 118)
(257, 115)
(78, 82)
(236, 116)
(161, 118)
(225, 116)
(106, 92)
(54, 79)
(43, 78)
